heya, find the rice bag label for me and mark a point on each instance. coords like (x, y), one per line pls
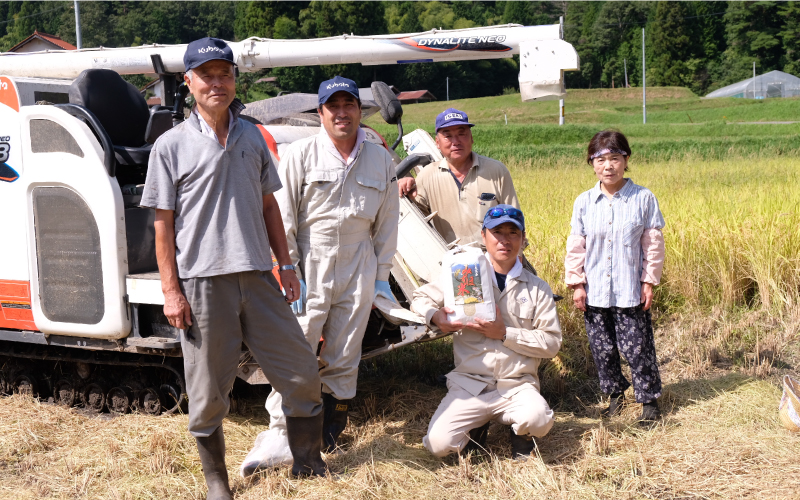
(466, 284)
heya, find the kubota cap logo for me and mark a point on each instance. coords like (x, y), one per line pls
(336, 84)
(206, 49)
(209, 49)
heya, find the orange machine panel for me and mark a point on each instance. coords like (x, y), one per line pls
(271, 144)
(15, 305)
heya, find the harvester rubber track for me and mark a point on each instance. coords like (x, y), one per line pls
(97, 380)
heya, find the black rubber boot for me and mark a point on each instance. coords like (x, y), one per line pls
(212, 456)
(521, 446)
(335, 411)
(305, 443)
(614, 406)
(477, 440)
(650, 414)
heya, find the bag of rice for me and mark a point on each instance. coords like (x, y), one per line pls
(467, 284)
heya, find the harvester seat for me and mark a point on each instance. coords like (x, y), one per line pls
(122, 111)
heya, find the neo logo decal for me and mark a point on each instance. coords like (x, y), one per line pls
(7, 174)
(493, 43)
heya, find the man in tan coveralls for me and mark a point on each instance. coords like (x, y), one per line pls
(341, 216)
(497, 362)
(462, 186)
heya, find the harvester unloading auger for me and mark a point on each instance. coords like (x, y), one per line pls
(81, 316)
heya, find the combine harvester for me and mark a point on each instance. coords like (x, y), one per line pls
(81, 316)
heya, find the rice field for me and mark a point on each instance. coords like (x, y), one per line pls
(727, 320)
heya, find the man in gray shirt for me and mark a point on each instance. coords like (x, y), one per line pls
(211, 181)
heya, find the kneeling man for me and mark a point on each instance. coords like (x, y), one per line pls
(495, 378)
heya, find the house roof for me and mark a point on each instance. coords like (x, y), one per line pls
(415, 94)
(58, 42)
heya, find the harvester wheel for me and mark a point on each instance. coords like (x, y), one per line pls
(94, 397)
(119, 400)
(151, 402)
(26, 384)
(172, 397)
(64, 392)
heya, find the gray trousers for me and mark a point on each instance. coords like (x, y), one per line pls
(244, 307)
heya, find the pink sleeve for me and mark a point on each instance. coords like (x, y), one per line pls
(653, 250)
(575, 260)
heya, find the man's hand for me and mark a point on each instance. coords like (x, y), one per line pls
(440, 319)
(491, 329)
(407, 187)
(579, 297)
(177, 310)
(291, 285)
(647, 296)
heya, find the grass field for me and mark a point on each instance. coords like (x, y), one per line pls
(727, 325)
(714, 132)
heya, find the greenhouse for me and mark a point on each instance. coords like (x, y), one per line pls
(772, 84)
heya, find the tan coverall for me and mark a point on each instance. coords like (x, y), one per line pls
(460, 212)
(341, 226)
(496, 379)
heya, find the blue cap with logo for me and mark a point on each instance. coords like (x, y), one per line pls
(501, 214)
(206, 49)
(337, 84)
(451, 117)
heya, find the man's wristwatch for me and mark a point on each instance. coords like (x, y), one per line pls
(287, 267)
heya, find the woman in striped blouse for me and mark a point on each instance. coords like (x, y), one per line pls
(615, 254)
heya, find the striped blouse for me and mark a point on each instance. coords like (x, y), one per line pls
(623, 244)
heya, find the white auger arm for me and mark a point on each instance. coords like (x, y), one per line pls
(544, 56)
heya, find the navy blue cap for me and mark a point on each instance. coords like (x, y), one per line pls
(206, 49)
(501, 214)
(451, 117)
(337, 84)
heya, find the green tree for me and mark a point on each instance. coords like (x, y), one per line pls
(671, 48)
(578, 23)
(403, 17)
(21, 19)
(753, 33)
(532, 13)
(790, 36)
(614, 36)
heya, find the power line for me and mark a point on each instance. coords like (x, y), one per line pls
(32, 15)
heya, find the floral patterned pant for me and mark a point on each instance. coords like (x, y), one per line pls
(630, 330)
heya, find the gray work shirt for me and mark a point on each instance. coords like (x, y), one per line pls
(217, 195)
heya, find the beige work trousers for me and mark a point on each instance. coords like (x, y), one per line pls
(226, 311)
(459, 412)
(341, 288)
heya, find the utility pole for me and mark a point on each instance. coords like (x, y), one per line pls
(561, 101)
(625, 63)
(644, 85)
(78, 26)
(754, 79)
(447, 83)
